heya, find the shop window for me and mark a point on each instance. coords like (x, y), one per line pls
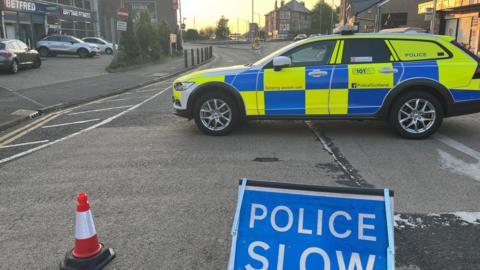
(416, 50)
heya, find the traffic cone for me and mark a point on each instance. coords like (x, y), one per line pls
(88, 253)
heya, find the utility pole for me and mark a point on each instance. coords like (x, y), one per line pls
(181, 23)
(433, 22)
(331, 21)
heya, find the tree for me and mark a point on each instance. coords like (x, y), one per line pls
(145, 35)
(129, 51)
(222, 31)
(162, 31)
(191, 34)
(322, 22)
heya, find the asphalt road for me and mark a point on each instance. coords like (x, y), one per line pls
(163, 195)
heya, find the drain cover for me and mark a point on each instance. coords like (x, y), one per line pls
(266, 159)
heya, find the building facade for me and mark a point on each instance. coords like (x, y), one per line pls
(287, 19)
(458, 19)
(159, 10)
(31, 20)
(387, 14)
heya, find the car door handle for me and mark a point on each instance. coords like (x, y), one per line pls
(317, 73)
(388, 70)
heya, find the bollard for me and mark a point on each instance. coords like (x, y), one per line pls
(193, 58)
(198, 56)
(186, 58)
(202, 55)
(211, 51)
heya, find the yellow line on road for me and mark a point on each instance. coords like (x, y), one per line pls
(31, 127)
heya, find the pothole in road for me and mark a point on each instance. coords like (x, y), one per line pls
(266, 159)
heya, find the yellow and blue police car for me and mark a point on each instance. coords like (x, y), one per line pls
(411, 80)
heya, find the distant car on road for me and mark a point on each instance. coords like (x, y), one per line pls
(105, 46)
(300, 37)
(15, 54)
(411, 80)
(67, 45)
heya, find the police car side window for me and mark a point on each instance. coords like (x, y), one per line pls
(417, 50)
(362, 51)
(313, 54)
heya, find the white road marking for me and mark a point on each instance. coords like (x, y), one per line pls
(23, 144)
(118, 99)
(106, 121)
(455, 164)
(72, 123)
(458, 146)
(22, 96)
(149, 90)
(101, 110)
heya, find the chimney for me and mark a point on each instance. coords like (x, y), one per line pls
(302, 3)
(282, 3)
(276, 4)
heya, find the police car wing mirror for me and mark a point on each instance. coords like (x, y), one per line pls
(280, 62)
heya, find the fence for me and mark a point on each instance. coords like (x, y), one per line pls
(199, 54)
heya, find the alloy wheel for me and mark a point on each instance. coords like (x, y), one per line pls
(417, 115)
(215, 114)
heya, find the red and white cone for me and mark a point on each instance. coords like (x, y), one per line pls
(88, 253)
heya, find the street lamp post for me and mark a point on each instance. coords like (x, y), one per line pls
(433, 22)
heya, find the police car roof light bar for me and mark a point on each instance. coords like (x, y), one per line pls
(346, 29)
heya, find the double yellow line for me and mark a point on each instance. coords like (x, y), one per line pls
(18, 133)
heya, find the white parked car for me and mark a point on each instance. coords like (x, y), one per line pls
(105, 46)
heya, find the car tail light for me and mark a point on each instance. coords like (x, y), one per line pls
(6, 53)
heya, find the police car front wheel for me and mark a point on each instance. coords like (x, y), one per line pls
(416, 115)
(216, 114)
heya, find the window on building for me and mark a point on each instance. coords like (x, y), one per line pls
(394, 20)
(79, 3)
(65, 2)
(313, 54)
(357, 51)
(87, 5)
(412, 50)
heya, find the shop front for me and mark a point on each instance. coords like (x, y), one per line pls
(23, 20)
(458, 19)
(72, 21)
(30, 21)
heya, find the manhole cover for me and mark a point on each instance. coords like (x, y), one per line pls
(266, 159)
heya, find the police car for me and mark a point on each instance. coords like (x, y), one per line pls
(411, 80)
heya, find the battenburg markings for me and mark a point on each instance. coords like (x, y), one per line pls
(286, 226)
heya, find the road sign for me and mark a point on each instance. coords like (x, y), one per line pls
(121, 26)
(183, 26)
(286, 226)
(173, 38)
(122, 14)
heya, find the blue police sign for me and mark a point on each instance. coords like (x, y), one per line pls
(288, 227)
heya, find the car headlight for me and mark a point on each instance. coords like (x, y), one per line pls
(182, 86)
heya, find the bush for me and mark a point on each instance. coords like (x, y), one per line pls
(143, 42)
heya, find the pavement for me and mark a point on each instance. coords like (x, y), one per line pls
(163, 195)
(69, 80)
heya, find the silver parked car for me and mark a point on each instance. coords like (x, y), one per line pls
(68, 45)
(105, 46)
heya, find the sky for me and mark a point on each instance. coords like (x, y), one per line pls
(203, 13)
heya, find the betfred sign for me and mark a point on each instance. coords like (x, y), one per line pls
(18, 5)
(290, 227)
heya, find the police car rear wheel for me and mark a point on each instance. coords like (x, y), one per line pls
(416, 115)
(216, 114)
